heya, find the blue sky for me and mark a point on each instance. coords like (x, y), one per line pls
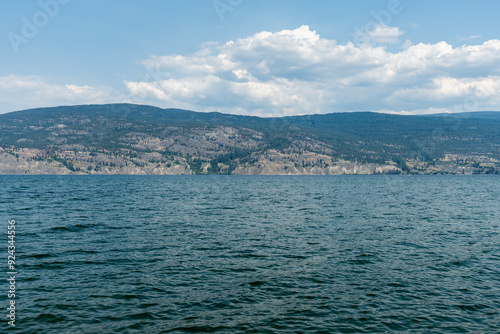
(252, 57)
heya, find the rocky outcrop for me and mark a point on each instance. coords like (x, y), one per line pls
(342, 168)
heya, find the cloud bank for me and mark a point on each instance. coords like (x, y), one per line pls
(23, 92)
(293, 72)
(296, 72)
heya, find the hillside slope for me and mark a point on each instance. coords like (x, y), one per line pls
(137, 139)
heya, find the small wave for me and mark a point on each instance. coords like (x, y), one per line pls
(30, 279)
(295, 256)
(60, 228)
(50, 318)
(239, 270)
(72, 228)
(142, 316)
(81, 251)
(472, 308)
(256, 283)
(78, 199)
(126, 297)
(198, 329)
(38, 256)
(47, 265)
(360, 261)
(249, 255)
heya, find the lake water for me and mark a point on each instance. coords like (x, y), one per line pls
(253, 254)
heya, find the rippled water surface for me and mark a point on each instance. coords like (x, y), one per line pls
(227, 254)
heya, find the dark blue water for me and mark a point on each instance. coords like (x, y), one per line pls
(226, 254)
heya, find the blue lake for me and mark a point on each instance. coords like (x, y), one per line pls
(253, 254)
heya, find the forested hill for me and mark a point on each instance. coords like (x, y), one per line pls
(131, 139)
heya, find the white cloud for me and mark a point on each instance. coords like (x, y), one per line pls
(293, 72)
(373, 34)
(297, 72)
(446, 94)
(463, 39)
(384, 34)
(22, 92)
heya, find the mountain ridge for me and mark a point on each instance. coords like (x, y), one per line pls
(141, 139)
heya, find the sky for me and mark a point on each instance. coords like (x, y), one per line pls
(252, 57)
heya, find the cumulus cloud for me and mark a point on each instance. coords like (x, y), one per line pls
(20, 92)
(381, 34)
(294, 72)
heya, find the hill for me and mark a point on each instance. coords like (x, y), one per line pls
(138, 139)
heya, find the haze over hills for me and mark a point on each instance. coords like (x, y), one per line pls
(139, 139)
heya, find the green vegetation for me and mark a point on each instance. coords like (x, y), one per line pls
(117, 135)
